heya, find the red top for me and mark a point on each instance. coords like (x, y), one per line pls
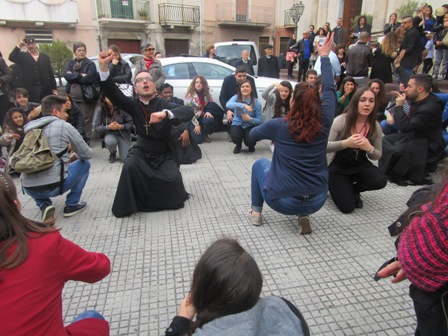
(31, 294)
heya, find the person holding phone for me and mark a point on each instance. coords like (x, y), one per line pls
(38, 73)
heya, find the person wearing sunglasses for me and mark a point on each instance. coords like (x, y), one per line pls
(151, 64)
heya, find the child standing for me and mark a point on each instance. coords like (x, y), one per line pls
(428, 62)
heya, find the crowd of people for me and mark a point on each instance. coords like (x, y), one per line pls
(324, 134)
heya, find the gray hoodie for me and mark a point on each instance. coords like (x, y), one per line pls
(59, 134)
(271, 316)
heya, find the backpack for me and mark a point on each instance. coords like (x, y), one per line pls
(35, 155)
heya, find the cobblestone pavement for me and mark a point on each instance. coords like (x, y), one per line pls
(327, 274)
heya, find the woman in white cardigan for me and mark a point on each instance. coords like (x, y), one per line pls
(355, 139)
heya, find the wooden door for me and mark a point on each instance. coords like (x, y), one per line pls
(176, 47)
(126, 46)
(352, 8)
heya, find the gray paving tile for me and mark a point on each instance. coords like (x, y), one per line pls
(327, 274)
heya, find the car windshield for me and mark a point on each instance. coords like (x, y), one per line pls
(177, 71)
(211, 71)
(232, 53)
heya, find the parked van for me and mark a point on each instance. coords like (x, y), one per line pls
(230, 52)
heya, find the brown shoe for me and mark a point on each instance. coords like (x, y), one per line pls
(207, 139)
(304, 225)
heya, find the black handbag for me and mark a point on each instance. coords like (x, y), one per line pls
(91, 93)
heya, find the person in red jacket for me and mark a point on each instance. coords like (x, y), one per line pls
(423, 259)
(35, 263)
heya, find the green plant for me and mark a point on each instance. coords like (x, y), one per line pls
(354, 21)
(59, 54)
(142, 12)
(408, 8)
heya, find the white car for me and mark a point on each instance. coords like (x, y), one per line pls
(181, 70)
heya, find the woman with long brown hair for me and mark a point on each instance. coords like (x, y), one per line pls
(355, 139)
(247, 113)
(35, 263)
(384, 57)
(197, 97)
(296, 181)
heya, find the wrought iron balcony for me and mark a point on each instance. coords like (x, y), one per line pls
(179, 15)
(230, 14)
(123, 10)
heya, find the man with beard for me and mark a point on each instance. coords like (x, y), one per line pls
(150, 179)
(409, 155)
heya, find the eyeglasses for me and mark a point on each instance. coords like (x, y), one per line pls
(149, 49)
(141, 79)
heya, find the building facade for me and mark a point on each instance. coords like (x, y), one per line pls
(176, 27)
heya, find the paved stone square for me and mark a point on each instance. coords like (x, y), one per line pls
(327, 275)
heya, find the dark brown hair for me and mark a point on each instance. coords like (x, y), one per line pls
(279, 103)
(51, 102)
(381, 97)
(115, 48)
(252, 93)
(14, 228)
(226, 281)
(352, 115)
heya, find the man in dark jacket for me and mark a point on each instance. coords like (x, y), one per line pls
(359, 59)
(244, 60)
(416, 150)
(412, 44)
(268, 64)
(304, 51)
(340, 34)
(39, 79)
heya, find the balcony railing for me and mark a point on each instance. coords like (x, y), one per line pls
(179, 15)
(233, 14)
(123, 9)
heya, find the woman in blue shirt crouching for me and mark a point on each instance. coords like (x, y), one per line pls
(296, 181)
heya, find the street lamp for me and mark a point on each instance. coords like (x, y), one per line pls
(296, 12)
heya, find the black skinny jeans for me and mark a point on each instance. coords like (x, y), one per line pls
(344, 187)
(238, 134)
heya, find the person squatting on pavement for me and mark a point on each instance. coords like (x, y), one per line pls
(43, 185)
(298, 174)
(150, 179)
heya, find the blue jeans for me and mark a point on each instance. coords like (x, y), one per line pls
(300, 205)
(77, 175)
(207, 128)
(388, 129)
(88, 314)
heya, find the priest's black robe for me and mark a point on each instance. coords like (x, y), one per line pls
(150, 179)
